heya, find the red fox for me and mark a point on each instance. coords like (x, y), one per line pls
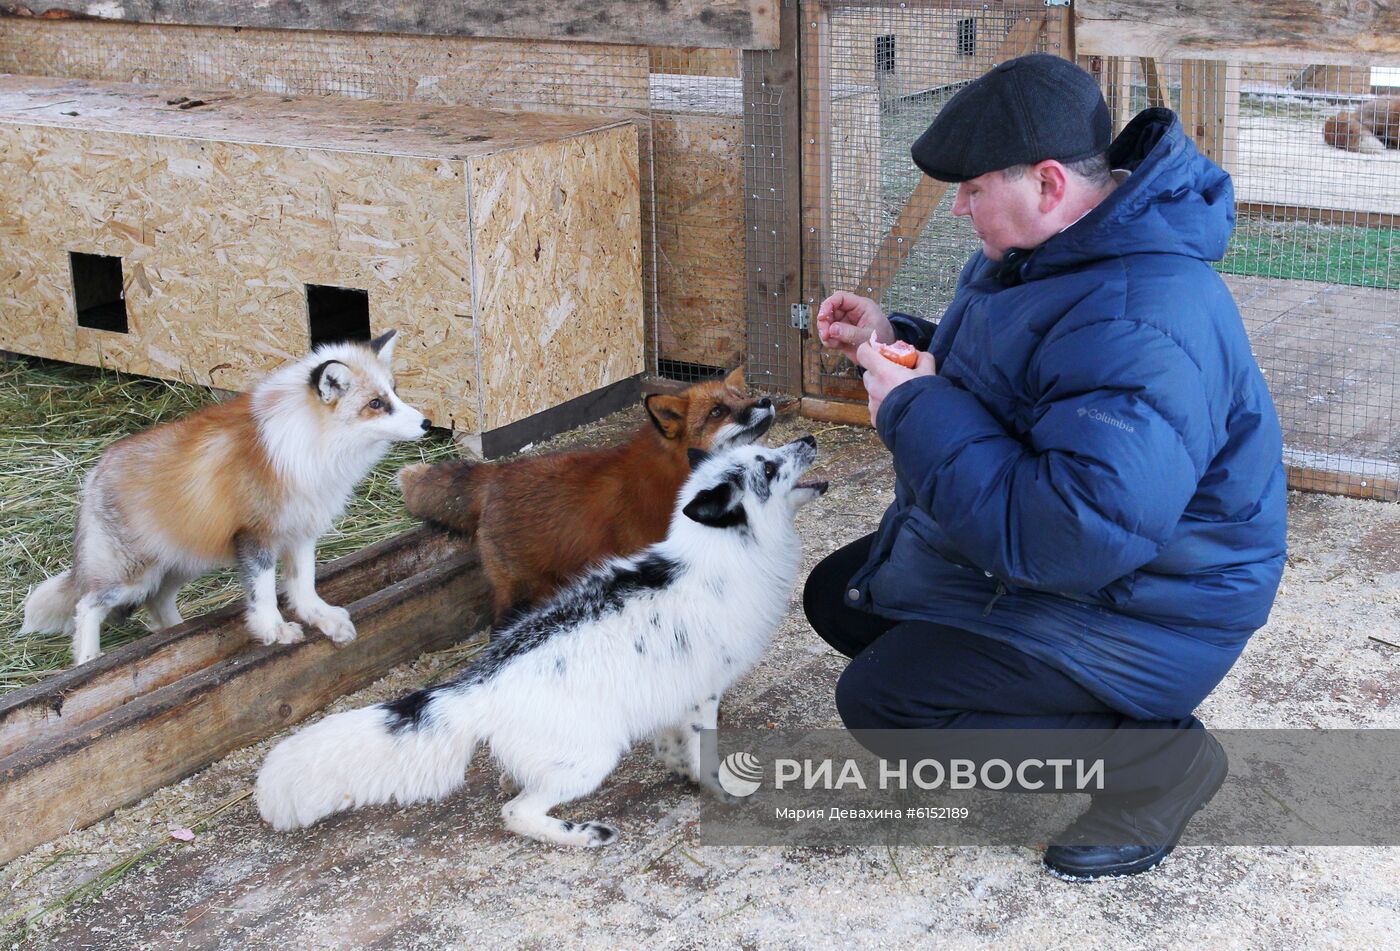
(1379, 117)
(541, 521)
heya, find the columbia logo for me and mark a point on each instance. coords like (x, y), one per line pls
(1100, 416)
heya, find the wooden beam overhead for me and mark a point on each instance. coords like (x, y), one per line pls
(733, 24)
(1259, 31)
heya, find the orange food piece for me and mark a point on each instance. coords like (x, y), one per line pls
(899, 352)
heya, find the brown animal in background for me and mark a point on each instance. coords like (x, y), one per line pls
(1379, 117)
(541, 521)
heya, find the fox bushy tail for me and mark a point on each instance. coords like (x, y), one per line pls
(49, 607)
(406, 751)
(447, 493)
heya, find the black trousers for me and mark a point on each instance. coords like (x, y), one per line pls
(922, 675)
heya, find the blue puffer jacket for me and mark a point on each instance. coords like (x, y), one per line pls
(1095, 474)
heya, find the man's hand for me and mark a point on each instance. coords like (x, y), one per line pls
(882, 375)
(845, 321)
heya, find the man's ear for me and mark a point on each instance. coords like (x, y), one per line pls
(667, 413)
(735, 380)
(383, 345)
(331, 381)
(1054, 181)
(712, 507)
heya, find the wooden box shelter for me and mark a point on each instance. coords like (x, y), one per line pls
(228, 211)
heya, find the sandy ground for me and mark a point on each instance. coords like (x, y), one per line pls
(447, 876)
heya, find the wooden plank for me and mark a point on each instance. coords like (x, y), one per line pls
(1158, 93)
(1326, 216)
(75, 696)
(1257, 31)
(1210, 108)
(835, 411)
(1117, 82)
(1351, 485)
(746, 24)
(773, 210)
(75, 778)
(444, 70)
(895, 249)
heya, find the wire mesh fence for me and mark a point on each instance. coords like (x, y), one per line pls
(1314, 152)
(875, 75)
(1314, 262)
(724, 256)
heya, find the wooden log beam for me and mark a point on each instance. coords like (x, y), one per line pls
(76, 776)
(1348, 484)
(1256, 31)
(731, 24)
(836, 411)
(74, 696)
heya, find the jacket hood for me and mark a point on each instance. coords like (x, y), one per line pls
(1176, 201)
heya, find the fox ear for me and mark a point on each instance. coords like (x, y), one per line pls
(696, 456)
(735, 378)
(667, 413)
(383, 345)
(330, 380)
(715, 507)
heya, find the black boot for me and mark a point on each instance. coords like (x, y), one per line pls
(1113, 838)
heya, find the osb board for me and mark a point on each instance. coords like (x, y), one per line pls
(330, 124)
(219, 237)
(750, 24)
(535, 76)
(558, 271)
(1284, 31)
(598, 79)
(699, 238)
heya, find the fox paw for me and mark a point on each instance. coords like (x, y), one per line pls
(333, 622)
(85, 657)
(276, 632)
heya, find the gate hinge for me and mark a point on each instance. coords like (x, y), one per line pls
(801, 316)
